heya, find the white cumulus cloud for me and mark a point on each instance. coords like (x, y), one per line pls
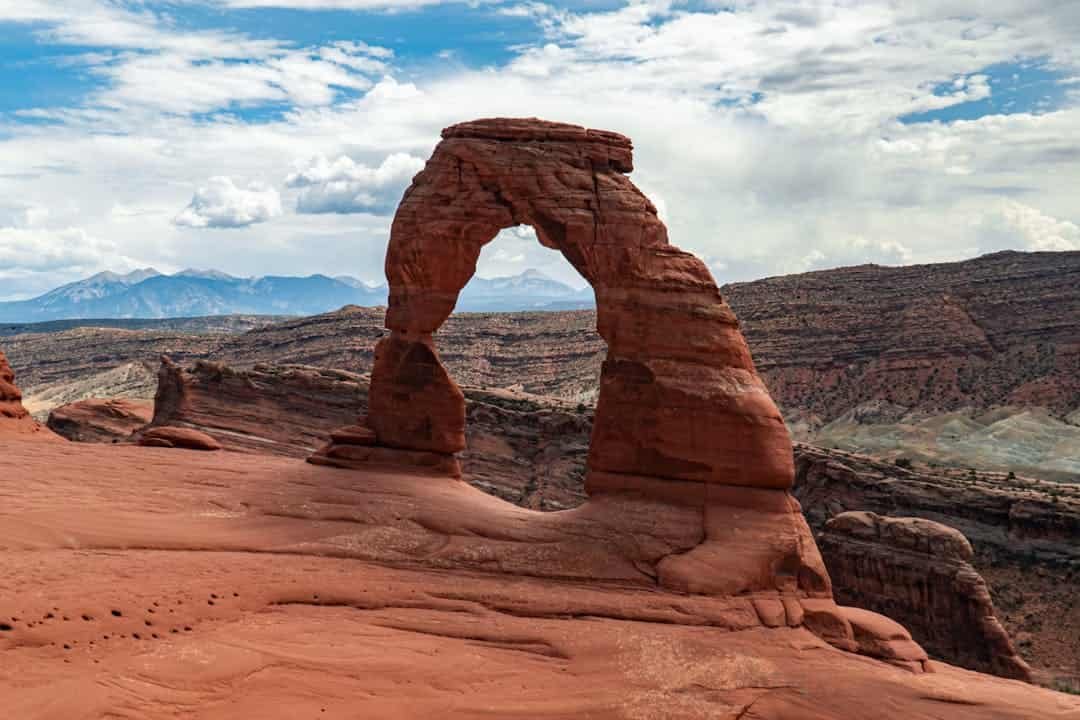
(221, 204)
(1040, 231)
(345, 186)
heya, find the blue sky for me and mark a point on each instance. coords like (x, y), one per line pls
(276, 136)
(1030, 85)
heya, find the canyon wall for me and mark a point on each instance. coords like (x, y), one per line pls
(918, 572)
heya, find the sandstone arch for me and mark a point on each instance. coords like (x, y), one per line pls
(685, 439)
(679, 396)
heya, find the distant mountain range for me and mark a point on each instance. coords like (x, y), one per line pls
(147, 293)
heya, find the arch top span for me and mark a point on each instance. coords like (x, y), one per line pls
(566, 181)
(679, 396)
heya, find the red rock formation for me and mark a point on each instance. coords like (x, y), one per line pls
(918, 572)
(278, 410)
(674, 348)
(100, 421)
(10, 397)
(1023, 532)
(683, 422)
(14, 419)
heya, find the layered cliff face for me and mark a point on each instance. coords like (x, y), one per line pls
(876, 342)
(528, 450)
(553, 354)
(1023, 532)
(1006, 518)
(919, 573)
(285, 410)
(1002, 329)
(47, 361)
(100, 420)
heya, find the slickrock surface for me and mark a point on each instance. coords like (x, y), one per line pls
(919, 572)
(1003, 329)
(144, 583)
(532, 451)
(100, 421)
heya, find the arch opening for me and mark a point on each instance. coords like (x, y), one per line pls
(528, 450)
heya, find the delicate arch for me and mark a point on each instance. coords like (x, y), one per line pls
(679, 397)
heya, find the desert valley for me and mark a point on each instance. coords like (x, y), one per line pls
(405, 511)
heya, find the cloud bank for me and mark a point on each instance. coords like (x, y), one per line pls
(778, 137)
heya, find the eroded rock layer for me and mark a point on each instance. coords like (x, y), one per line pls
(14, 419)
(1023, 532)
(919, 572)
(10, 397)
(1002, 329)
(97, 420)
(286, 410)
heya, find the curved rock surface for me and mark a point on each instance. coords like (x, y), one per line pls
(919, 572)
(169, 436)
(148, 584)
(100, 421)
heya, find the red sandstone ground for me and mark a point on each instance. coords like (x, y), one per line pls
(277, 589)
